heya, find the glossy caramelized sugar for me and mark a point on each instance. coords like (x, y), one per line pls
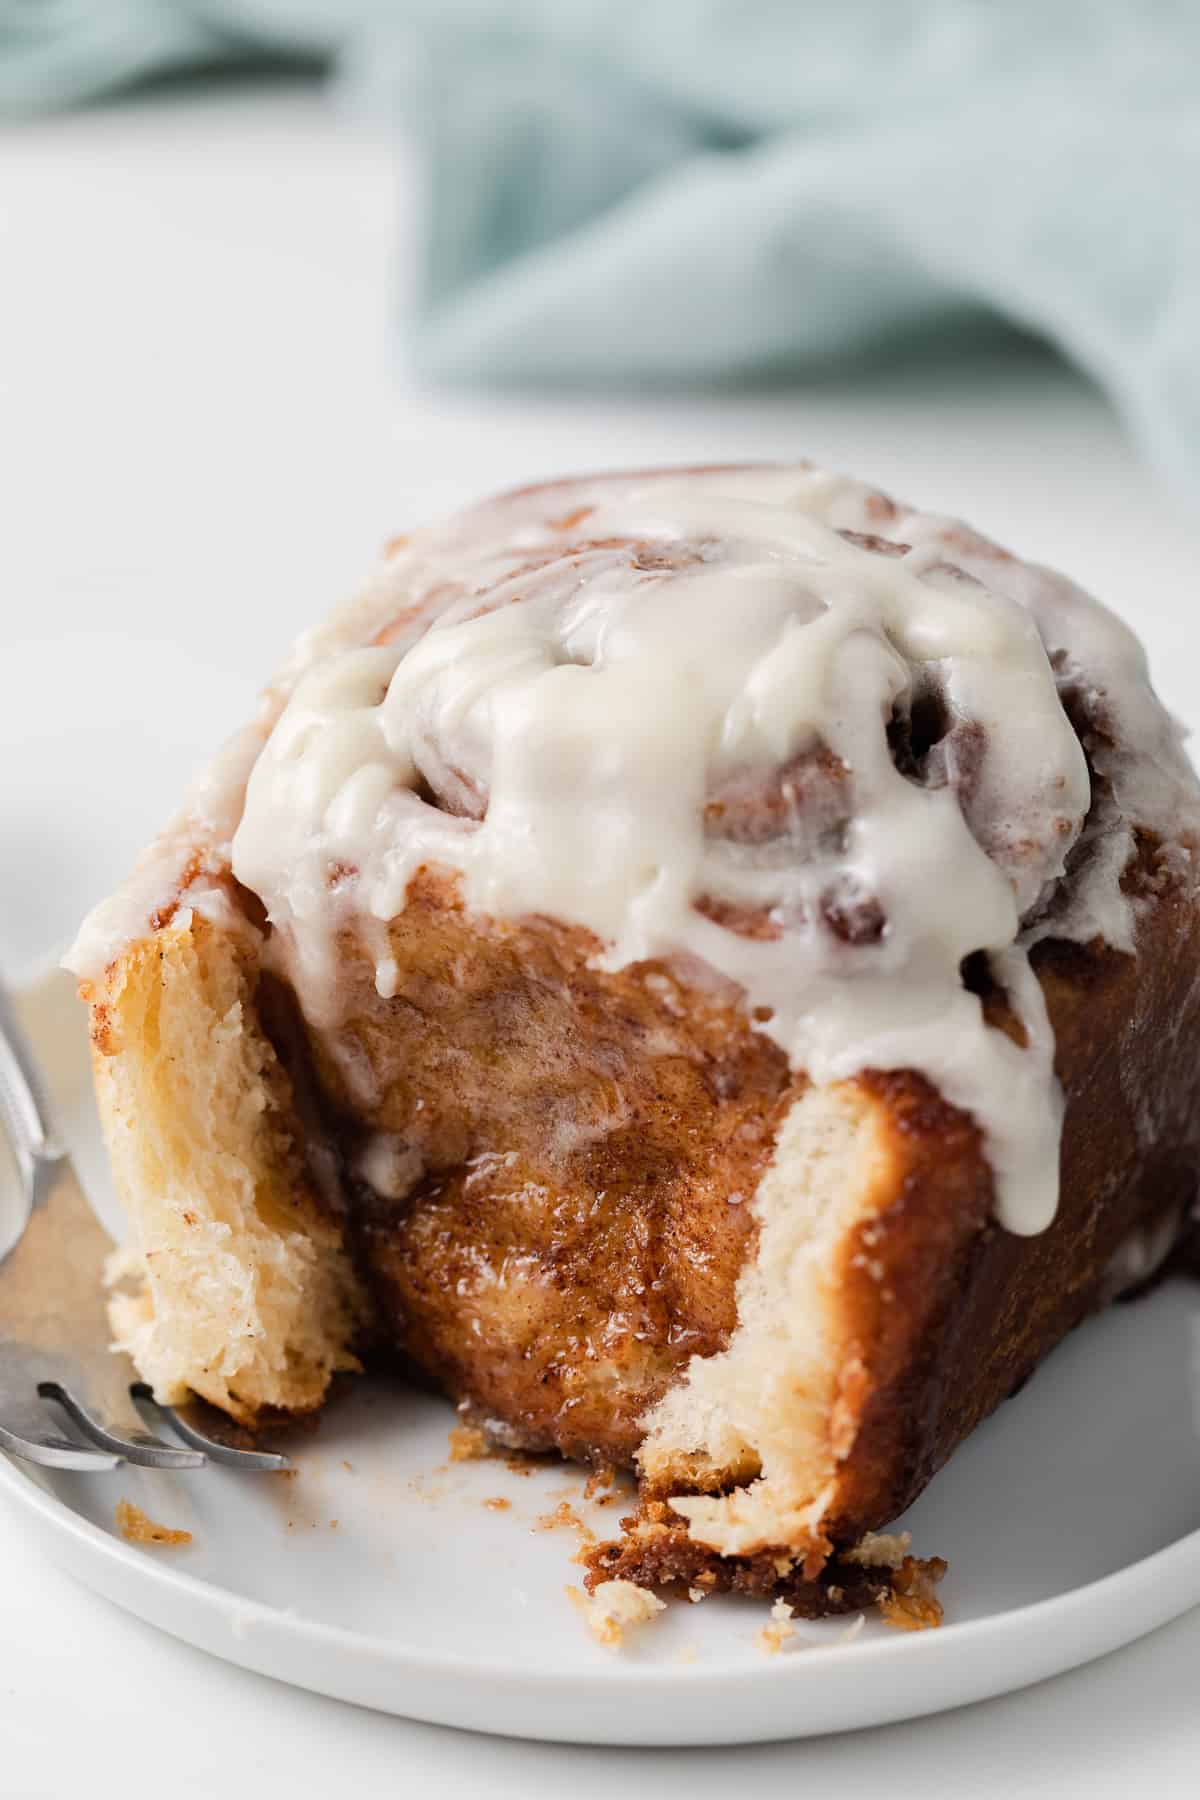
(576, 1156)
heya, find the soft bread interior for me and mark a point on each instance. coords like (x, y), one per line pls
(241, 1290)
(767, 1411)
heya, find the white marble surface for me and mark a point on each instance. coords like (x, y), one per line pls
(205, 430)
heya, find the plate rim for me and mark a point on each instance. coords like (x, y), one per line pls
(1154, 1572)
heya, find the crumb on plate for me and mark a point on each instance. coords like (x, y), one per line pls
(598, 1481)
(137, 1527)
(880, 1549)
(911, 1603)
(775, 1635)
(614, 1608)
(468, 1444)
(565, 1516)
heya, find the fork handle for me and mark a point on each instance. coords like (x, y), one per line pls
(23, 1100)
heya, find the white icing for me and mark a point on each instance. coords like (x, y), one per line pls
(578, 672)
(389, 1164)
(1142, 1253)
(194, 849)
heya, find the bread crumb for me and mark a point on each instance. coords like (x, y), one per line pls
(852, 1631)
(333, 1524)
(348, 1466)
(880, 1549)
(696, 1594)
(564, 1514)
(552, 1521)
(136, 1527)
(912, 1605)
(614, 1608)
(597, 1481)
(468, 1444)
(421, 1488)
(774, 1636)
(497, 1503)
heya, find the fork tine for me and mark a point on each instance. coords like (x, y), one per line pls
(23, 1101)
(146, 1451)
(199, 1440)
(56, 1453)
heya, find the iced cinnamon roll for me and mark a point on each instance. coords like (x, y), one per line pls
(704, 962)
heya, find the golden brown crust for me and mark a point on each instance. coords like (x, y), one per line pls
(953, 1313)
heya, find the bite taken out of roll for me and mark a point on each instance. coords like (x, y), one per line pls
(704, 962)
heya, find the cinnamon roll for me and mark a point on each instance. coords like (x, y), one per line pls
(704, 962)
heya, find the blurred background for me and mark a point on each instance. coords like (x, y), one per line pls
(278, 277)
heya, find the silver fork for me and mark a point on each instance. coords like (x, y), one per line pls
(56, 1364)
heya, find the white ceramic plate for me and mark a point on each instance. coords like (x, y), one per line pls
(380, 1574)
